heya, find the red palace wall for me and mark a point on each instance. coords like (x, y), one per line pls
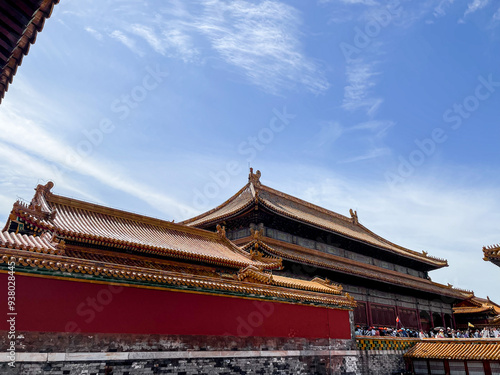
(55, 305)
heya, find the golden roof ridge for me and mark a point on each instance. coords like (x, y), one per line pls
(223, 204)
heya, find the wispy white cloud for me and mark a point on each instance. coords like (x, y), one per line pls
(371, 154)
(360, 80)
(440, 9)
(19, 167)
(496, 16)
(379, 127)
(328, 134)
(96, 34)
(475, 5)
(125, 40)
(362, 141)
(353, 2)
(32, 138)
(260, 40)
(363, 2)
(263, 41)
(149, 36)
(170, 40)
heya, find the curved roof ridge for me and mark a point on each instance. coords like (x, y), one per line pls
(219, 207)
(306, 203)
(351, 222)
(48, 199)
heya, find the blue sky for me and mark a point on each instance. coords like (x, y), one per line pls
(159, 107)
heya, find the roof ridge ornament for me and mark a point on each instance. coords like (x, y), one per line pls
(354, 216)
(257, 234)
(221, 231)
(45, 188)
(254, 178)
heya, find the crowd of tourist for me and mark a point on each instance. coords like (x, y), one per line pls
(485, 332)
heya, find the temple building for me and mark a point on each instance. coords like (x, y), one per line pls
(72, 258)
(245, 287)
(388, 281)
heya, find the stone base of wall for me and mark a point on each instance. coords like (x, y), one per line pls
(346, 362)
(53, 342)
(65, 353)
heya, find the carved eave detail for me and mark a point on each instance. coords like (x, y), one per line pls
(328, 283)
(255, 274)
(491, 252)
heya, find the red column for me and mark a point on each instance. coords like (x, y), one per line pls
(419, 322)
(370, 321)
(368, 313)
(487, 367)
(446, 367)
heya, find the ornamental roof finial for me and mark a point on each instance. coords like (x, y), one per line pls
(221, 231)
(254, 177)
(45, 188)
(354, 216)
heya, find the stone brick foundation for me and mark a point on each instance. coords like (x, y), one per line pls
(64, 353)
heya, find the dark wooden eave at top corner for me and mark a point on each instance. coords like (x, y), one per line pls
(20, 21)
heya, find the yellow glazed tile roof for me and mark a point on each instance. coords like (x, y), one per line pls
(79, 221)
(476, 305)
(254, 194)
(466, 349)
(174, 276)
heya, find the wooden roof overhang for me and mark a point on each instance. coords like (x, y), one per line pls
(44, 255)
(476, 305)
(492, 254)
(254, 195)
(81, 222)
(20, 21)
(370, 273)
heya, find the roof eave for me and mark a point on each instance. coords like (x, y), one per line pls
(21, 49)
